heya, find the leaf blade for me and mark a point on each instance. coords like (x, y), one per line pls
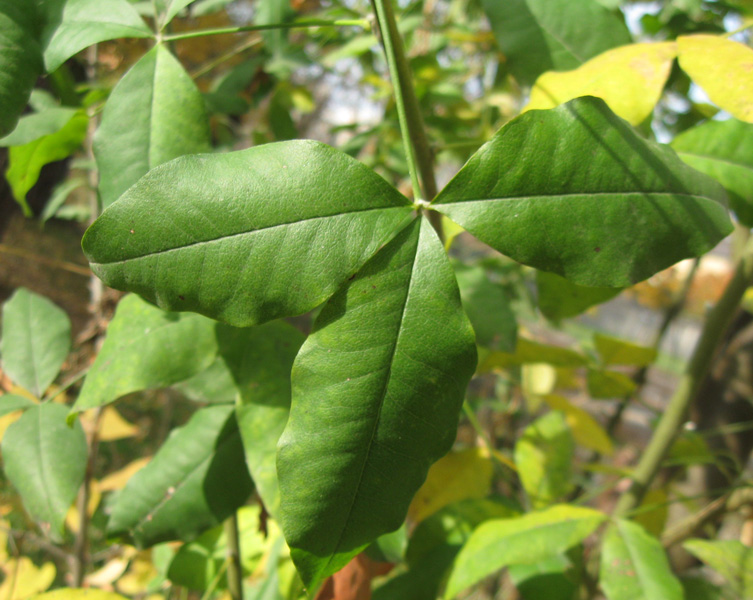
(357, 471)
(249, 274)
(631, 210)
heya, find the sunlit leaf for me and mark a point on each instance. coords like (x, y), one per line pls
(722, 67)
(630, 79)
(530, 352)
(585, 429)
(24, 579)
(730, 558)
(527, 539)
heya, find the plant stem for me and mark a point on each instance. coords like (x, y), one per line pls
(245, 28)
(234, 572)
(417, 150)
(674, 416)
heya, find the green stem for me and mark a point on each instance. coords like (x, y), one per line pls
(675, 414)
(417, 149)
(234, 572)
(293, 25)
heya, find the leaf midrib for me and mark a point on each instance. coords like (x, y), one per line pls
(242, 233)
(382, 395)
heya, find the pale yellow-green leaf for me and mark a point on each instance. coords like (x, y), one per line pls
(140, 572)
(585, 429)
(451, 231)
(23, 578)
(112, 426)
(80, 594)
(723, 68)
(630, 79)
(456, 476)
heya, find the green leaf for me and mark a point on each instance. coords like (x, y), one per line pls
(195, 481)
(488, 308)
(544, 458)
(197, 564)
(603, 383)
(260, 360)
(172, 122)
(11, 403)
(585, 429)
(530, 352)
(545, 35)
(630, 79)
(634, 565)
(73, 25)
(173, 8)
(39, 124)
(615, 351)
(551, 579)
(298, 219)
(26, 162)
(731, 559)
(697, 588)
(147, 348)
(45, 460)
(723, 150)
(561, 299)
(722, 68)
(377, 389)
(213, 385)
(630, 210)
(20, 59)
(36, 338)
(528, 539)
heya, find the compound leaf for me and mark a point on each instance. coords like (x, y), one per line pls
(173, 122)
(248, 236)
(45, 460)
(377, 389)
(195, 481)
(36, 338)
(603, 208)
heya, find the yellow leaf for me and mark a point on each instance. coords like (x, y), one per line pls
(4, 528)
(630, 79)
(72, 519)
(586, 430)
(139, 574)
(114, 427)
(106, 575)
(537, 379)
(656, 511)
(19, 391)
(723, 68)
(118, 479)
(8, 420)
(456, 476)
(23, 578)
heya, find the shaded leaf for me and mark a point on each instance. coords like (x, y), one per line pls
(723, 150)
(529, 352)
(377, 389)
(653, 512)
(730, 558)
(39, 124)
(72, 25)
(146, 348)
(298, 219)
(25, 162)
(544, 457)
(527, 539)
(630, 210)
(544, 35)
(173, 122)
(488, 308)
(722, 68)
(11, 403)
(630, 79)
(585, 429)
(45, 460)
(454, 477)
(603, 383)
(36, 338)
(20, 59)
(634, 565)
(697, 588)
(616, 351)
(561, 299)
(551, 579)
(194, 482)
(260, 360)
